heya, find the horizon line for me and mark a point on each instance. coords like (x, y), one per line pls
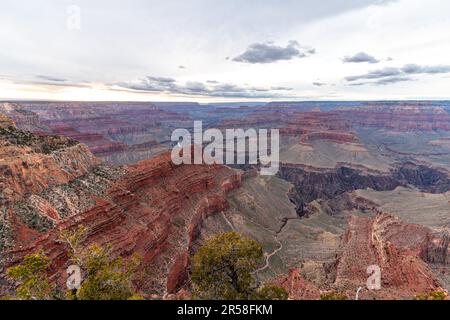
(228, 102)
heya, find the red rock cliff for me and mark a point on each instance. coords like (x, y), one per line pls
(153, 208)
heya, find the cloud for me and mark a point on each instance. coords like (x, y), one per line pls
(50, 78)
(417, 69)
(185, 35)
(269, 52)
(360, 58)
(281, 88)
(151, 84)
(392, 80)
(394, 75)
(181, 67)
(384, 82)
(209, 88)
(319, 84)
(47, 81)
(376, 74)
(161, 79)
(384, 2)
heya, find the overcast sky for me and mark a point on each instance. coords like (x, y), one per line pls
(224, 50)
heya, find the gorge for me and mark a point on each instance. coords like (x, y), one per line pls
(336, 205)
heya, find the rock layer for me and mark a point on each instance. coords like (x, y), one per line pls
(392, 245)
(311, 184)
(153, 208)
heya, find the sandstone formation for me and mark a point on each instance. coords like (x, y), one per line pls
(297, 287)
(392, 245)
(153, 208)
(311, 184)
(117, 132)
(404, 117)
(31, 163)
(6, 122)
(359, 184)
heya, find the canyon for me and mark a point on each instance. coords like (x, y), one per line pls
(359, 184)
(152, 208)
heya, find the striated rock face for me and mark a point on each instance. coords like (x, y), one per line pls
(335, 136)
(158, 210)
(297, 287)
(399, 117)
(395, 247)
(306, 122)
(311, 184)
(97, 143)
(437, 250)
(153, 208)
(124, 132)
(25, 118)
(31, 163)
(6, 122)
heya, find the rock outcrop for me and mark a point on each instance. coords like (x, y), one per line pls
(395, 247)
(6, 122)
(30, 163)
(158, 210)
(404, 117)
(311, 184)
(153, 208)
(297, 287)
(118, 132)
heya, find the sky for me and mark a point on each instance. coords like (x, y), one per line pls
(224, 50)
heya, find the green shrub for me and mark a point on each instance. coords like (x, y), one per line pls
(434, 295)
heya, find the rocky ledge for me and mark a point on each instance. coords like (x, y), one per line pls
(153, 208)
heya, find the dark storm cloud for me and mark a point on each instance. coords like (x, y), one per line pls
(196, 88)
(269, 52)
(360, 58)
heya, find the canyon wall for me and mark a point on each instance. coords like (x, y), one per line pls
(154, 208)
(392, 245)
(311, 184)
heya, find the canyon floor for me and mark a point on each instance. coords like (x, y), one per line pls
(359, 185)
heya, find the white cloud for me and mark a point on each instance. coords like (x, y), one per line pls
(121, 42)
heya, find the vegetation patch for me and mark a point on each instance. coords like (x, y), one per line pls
(32, 218)
(39, 144)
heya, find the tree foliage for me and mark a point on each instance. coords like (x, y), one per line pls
(435, 295)
(272, 292)
(223, 269)
(32, 278)
(105, 276)
(75, 239)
